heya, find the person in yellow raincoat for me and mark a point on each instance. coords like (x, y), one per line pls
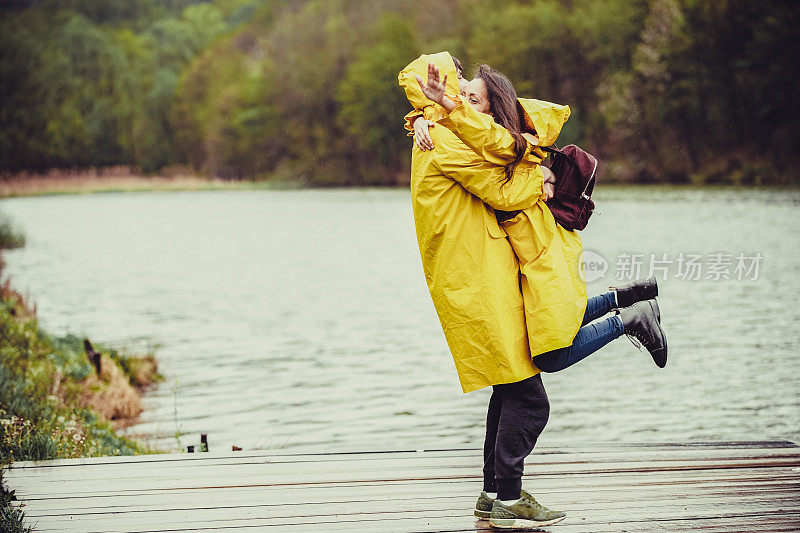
(470, 268)
(549, 254)
(553, 289)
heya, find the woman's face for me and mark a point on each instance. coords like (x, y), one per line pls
(475, 92)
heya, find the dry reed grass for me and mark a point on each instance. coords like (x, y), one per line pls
(111, 394)
(60, 181)
(22, 307)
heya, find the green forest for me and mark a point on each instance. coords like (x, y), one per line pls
(677, 91)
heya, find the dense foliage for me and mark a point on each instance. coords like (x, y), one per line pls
(663, 90)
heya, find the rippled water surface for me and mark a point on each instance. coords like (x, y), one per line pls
(302, 319)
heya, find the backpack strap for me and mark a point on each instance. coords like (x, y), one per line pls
(590, 183)
(552, 149)
(555, 150)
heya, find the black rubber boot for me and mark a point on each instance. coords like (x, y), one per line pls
(640, 322)
(636, 291)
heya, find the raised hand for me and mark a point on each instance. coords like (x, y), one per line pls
(435, 88)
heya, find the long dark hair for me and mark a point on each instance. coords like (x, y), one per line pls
(505, 109)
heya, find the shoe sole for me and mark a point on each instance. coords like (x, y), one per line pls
(520, 523)
(657, 311)
(659, 358)
(655, 285)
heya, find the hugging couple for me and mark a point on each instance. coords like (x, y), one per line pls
(503, 274)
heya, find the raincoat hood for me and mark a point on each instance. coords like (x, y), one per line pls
(545, 119)
(419, 66)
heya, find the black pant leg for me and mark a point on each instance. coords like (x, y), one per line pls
(492, 420)
(524, 414)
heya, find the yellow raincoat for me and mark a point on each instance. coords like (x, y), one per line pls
(549, 255)
(471, 270)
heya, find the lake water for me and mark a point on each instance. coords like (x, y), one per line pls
(301, 318)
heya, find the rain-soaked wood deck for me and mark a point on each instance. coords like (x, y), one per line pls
(733, 486)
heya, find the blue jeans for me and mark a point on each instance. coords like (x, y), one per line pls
(590, 338)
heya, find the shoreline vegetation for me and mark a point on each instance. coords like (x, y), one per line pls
(60, 397)
(117, 179)
(126, 179)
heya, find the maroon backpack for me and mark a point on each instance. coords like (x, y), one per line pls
(575, 172)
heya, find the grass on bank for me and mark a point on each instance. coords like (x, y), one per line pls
(53, 403)
(123, 179)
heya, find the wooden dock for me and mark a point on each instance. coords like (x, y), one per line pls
(733, 486)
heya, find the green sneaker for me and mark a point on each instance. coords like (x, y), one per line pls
(483, 507)
(524, 513)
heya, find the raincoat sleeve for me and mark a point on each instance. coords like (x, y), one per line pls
(480, 132)
(410, 118)
(429, 112)
(493, 142)
(487, 181)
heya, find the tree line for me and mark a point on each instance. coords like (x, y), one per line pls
(306, 91)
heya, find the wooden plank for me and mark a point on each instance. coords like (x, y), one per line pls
(290, 474)
(358, 455)
(417, 460)
(432, 506)
(598, 493)
(245, 497)
(657, 518)
(180, 502)
(404, 460)
(283, 475)
(359, 511)
(277, 456)
(533, 478)
(537, 484)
